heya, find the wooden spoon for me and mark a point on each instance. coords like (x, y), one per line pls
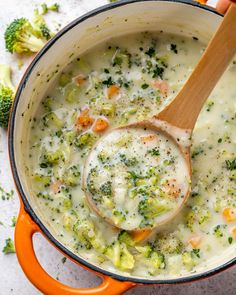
(178, 119)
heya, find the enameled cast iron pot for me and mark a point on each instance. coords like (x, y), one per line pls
(182, 17)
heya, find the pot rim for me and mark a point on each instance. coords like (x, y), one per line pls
(22, 195)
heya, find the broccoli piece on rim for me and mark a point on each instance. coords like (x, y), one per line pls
(9, 247)
(6, 95)
(21, 37)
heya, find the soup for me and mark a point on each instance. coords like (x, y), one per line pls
(136, 177)
(126, 80)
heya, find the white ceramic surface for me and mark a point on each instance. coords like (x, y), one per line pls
(12, 280)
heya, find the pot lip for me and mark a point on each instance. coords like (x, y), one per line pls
(16, 177)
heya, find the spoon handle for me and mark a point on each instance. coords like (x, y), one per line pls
(184, 110)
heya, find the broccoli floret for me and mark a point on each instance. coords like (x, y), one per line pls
(106, 188)
(219, 230)
(118, 217)
(128, 161)
(9, 247)
(6, 95)
(87, 236)
(188, 261)
(152, 259)
(72, 175)
(44, 8)
(21, 37)
(150, 208)
(53, 7)
(103, 157)
(44, 180)
(41, 27)
(50, 159)
(120, 256)
(85, 140)
(126, 238)
(169, 244)
(145, 250)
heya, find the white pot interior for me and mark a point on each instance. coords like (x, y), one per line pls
(171, 17)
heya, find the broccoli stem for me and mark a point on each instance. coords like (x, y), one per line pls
(32, 43)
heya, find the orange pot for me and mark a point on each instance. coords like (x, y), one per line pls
(141, 15)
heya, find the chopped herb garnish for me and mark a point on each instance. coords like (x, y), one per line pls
(158, 72)
(108, 82)
(154, 152)
(173, 47)
(145, 86)
(230, 240)
(231, 164)
(150, 52)
(196, 252)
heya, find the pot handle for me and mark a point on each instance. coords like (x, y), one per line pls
(25, 229)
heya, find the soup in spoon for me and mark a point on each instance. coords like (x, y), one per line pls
(136, 177)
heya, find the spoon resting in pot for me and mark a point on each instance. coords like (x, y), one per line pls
(138, 177)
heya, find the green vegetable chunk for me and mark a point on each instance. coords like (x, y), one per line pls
(6, 95)
(20, 37)
(9, 247)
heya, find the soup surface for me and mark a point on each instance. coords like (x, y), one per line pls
(122, 81)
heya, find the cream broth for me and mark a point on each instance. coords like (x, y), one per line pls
(136, 178)
(122, 81)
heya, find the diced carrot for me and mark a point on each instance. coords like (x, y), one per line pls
(172, 188)
(55, 186)
(234, 232)
(147, 138)
(140, 235)
(100, 125)
(229, 214)
(112, 91)
(162, 85)
(84, 120)
(80, 79)
(201, 1)
(195, 242)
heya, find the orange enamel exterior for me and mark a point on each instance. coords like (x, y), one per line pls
(25, 229)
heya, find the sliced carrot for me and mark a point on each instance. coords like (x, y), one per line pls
(229, 214)
(84, 119)
(140, 235)
(55, 186)
(195, 242)
(147, 138)
(234, 232)
(80, 79)
(112, 91)
(162, 85)
(100, 125)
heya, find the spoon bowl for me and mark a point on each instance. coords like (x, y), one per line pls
(115, 168)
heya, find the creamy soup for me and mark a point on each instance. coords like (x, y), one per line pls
(136, 178)
(121, 81)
